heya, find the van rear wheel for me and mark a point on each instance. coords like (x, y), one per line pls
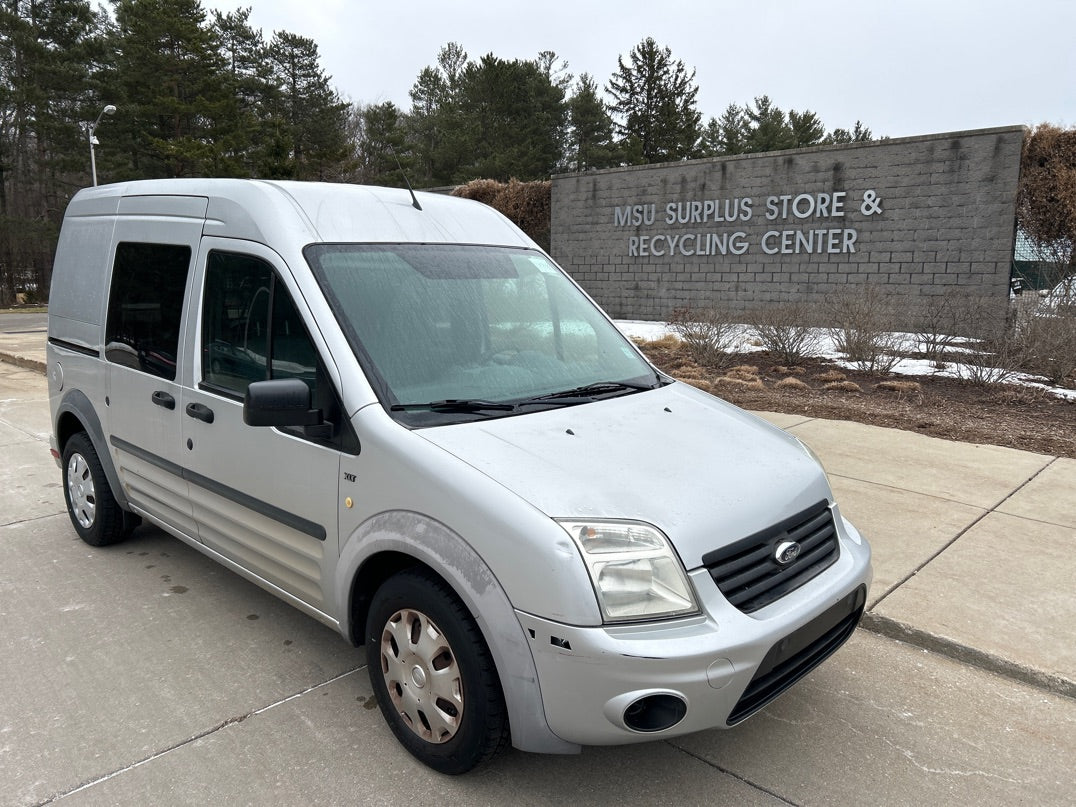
(95, 514)
(433, 675)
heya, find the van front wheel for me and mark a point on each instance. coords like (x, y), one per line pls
(433, 675)
(96, 516)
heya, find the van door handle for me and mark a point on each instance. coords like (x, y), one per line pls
(201, 412)
(162, 398)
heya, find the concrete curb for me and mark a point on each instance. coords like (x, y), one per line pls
(21, 361)
(894, 629)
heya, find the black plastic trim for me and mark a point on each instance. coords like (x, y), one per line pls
(85, 351)
(799, 653)
(288, 519)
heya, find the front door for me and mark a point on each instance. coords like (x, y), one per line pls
(265, 498)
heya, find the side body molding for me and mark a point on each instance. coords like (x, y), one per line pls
(450, 556)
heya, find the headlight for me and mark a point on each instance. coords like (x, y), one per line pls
(635, 572)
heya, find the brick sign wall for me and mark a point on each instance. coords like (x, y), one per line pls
(915, 216)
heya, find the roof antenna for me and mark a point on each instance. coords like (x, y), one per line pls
(414, 199)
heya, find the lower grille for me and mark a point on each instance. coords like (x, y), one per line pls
(748, 573)
(799, 653)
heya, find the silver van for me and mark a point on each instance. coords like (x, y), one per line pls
(396, 413)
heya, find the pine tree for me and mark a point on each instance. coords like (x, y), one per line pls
(168, 77)
(513, 120)
(654, 98)
(807, 129)
(768, 128)
(380, 142)
(590, 143)
(311, 115)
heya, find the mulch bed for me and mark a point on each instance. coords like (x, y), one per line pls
(997, 414)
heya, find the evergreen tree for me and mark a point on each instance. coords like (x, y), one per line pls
(807, 129)
(654, 98)
(250, 142)
(859, 134)
(310, 114)
(434, 125)
(731, 131)
(168, 82)
(768, 128)
(380, 141)
(590, 139)
(513, 119)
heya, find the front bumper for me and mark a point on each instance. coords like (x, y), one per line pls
(723, 665)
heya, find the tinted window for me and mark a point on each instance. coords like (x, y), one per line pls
(250, 328)
(145, 306)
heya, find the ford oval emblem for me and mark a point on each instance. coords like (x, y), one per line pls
(787, 551)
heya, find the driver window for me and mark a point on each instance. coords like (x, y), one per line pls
(250, 328)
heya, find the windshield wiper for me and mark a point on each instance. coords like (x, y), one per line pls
(597, 388)
(456, 405)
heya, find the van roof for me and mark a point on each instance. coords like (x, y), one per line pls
(272, 212)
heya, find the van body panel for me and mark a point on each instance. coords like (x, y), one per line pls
(403, 471)
(591, 461)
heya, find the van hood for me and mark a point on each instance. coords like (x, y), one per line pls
(699, 469)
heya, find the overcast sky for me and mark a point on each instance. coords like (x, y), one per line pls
(903, 67)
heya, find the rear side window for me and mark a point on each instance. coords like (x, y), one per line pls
(145, 306)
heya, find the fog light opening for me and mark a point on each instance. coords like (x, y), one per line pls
(654, 713)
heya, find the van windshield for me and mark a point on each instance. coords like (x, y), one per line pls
(453, 333)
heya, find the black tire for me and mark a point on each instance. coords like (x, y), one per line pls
(433, 675)
(95, 515)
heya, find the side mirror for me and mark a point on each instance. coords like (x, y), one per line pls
(280, 402)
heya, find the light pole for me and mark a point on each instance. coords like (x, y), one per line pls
(108, 110)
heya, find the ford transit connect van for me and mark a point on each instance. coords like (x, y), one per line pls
(396, 413)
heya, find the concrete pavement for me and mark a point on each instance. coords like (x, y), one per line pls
(144, 673)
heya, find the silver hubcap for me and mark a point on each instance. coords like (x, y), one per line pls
(422, 676)
(80, 491)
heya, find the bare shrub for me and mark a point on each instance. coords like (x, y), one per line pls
(784, 331)
(864, 322)
(939, 322)
(842, 386)
(709, 335)
(791, 383)
(1049, 344)
(997, 351)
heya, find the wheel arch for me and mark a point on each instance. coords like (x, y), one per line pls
(393, 541)
(77, 414)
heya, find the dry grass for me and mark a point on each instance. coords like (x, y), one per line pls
(791, 383)
(842, 386)
(739, 383)
(902, 387)
(830, 375)
(744, 372)
(666, 342)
